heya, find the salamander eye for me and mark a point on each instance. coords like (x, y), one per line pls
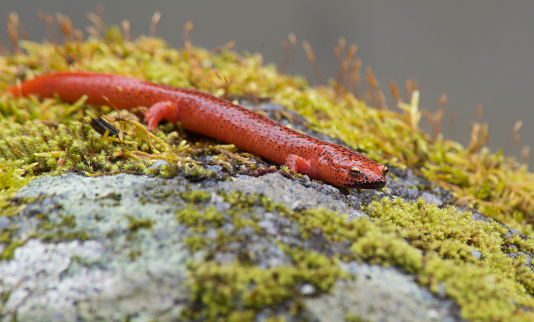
(386, 170)
(354, 171)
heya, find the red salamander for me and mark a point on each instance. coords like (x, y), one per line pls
(206, 114)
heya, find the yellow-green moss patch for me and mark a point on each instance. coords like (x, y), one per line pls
(59, 230)
(240, 289)
(493, 287)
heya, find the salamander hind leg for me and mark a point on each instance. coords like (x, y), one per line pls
(299, 164)
(162, 110)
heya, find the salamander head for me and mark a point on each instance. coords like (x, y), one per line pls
(349, 169)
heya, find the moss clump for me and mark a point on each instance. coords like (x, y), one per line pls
(238, 290)
(135, 224)
(198, 220)
(134, 254)
(349, 317)
(196, 196)
(376, 243)
(58, 149)
(9, 251)
(60, 235)
(10, 242)
(68, 221)
(12, 178)
(494, 287)
(59, 229)
(4, 296)
(451, 233)
(240, 200)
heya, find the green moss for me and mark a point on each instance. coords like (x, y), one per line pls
(60, 235)
(110, 234)
(243, 200)
(135, 224)
(196, 196)
(435, 244)
(4, 297)
(9, 251)
(133, 254)
(10, 244)
(67, 147)
(239, 290)
(196, 242)
(198, 220)
(68, 221)
(115, 196)
(494, 287)
(376, 243)
(349, 317)
(11, 179)
(6, 235)
(59, 230)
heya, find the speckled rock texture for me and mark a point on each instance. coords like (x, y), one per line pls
(131, 261)
(380, 294)
(96, 278)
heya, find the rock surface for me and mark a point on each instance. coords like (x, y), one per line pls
(132, 261)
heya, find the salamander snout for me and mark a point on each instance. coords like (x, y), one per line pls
(368, 177)
(349, 169)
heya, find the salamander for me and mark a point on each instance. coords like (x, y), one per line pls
(212, 116)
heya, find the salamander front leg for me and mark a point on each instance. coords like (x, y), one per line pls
(162, 110)
(299, 164)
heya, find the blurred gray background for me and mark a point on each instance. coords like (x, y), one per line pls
(477, 52)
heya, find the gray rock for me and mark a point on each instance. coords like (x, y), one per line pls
(141, 273)
(98, 278)
(4, 222)
(158, 164)
(379, 294)
(433, 199)
(282, 190)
